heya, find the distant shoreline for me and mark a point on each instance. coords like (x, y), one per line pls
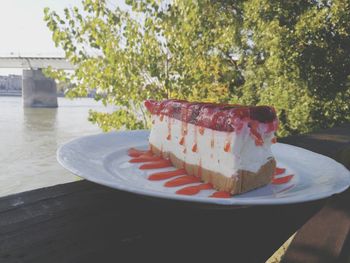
(19, 94)
(10, 94)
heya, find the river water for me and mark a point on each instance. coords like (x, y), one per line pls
(29, 138)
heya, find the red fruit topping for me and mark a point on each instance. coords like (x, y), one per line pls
(149, 104)
(222, 117)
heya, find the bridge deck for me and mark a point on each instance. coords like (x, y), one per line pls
(35, 62)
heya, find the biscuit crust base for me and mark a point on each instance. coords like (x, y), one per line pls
(242, 182)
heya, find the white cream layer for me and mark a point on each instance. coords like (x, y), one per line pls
(243, 154)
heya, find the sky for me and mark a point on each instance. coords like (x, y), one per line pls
(24, 32)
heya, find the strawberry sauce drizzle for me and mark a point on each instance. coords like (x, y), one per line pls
(186, 179)
(279, 171)
(195, 147)
(227, 146)
(282, 180)
(260, 120)
(256, 135)
(220, 194)
(192, 190)
(169, 129)
(145, 158)
(163, 163)
(182, 140)
(156, 162)
(166, 175)
(132, 152)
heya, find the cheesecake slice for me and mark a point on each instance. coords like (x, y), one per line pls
(228, 146)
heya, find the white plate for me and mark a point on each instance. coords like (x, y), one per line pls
(103, 159)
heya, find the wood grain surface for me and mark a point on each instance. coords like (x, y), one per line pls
(86, 222)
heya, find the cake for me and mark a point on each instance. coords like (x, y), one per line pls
(228, 146)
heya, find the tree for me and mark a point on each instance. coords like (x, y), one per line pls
(300, 61)
(294, 55)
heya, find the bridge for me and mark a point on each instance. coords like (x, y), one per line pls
(37, 89)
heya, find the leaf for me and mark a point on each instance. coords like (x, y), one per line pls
(295, 57)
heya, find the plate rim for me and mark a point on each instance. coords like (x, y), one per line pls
(194, 199)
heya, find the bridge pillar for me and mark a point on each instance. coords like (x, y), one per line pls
(38, 90)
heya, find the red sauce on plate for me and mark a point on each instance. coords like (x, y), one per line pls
(282, 180)
(192, 190)
(132, 152)
(221, 194)
(186, 179)
(156, 162)
(166, 175)
(144, 159)
(163, 163)
(279, 171)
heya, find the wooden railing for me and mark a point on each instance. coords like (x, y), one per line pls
(86, 222)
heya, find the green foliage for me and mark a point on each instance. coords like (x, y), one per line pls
(294, 55)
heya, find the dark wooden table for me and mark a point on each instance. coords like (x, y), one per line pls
(85, 222)
(326, 236)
